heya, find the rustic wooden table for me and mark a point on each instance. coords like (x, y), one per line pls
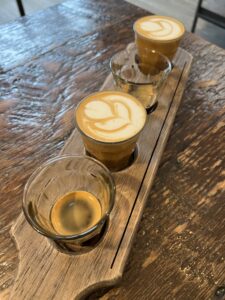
(49, 62)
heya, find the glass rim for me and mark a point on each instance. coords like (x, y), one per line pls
(167, 70)
(104, 142)
(47, 233)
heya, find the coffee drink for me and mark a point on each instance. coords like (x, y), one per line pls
(75, 213)
(159, 33)
(110, 123)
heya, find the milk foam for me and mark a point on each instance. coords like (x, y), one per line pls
(110, 116)
(160, 28)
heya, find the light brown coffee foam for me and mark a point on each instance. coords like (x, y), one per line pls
(159, 28)
(110, 116)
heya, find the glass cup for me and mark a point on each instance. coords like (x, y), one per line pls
(142, 80)
(117, 154)
(167, 46)
(58, 177)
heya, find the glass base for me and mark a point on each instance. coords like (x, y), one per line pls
(118, 168)
(152, 108)
(75, 248)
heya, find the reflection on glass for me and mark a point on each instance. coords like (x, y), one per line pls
(142, 80)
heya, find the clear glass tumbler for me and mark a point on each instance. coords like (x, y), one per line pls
(58, 177)
(142, 80)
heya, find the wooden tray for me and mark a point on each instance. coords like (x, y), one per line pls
(45, 273)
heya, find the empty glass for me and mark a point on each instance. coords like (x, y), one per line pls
(58, 177)
(142, 80)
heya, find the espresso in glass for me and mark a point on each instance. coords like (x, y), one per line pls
(75, 212)
(110, 123)
(159, 33)
(68, 199)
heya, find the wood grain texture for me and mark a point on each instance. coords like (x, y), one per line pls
(39, 33)
(75, 276)
(179, 250)
(40, 87)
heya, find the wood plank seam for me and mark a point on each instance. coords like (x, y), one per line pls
(120, 242)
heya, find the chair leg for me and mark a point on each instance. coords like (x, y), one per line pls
(196, 16)
(20, 7)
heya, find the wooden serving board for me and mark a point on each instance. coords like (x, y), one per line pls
(44, 272)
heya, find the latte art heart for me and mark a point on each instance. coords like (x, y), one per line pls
(159, 27)
(110, 116)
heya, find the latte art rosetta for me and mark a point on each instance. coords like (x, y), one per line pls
(160, 28)
(107, 116)
(110, 116)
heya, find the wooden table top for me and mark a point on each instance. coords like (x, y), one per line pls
(49, 62)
